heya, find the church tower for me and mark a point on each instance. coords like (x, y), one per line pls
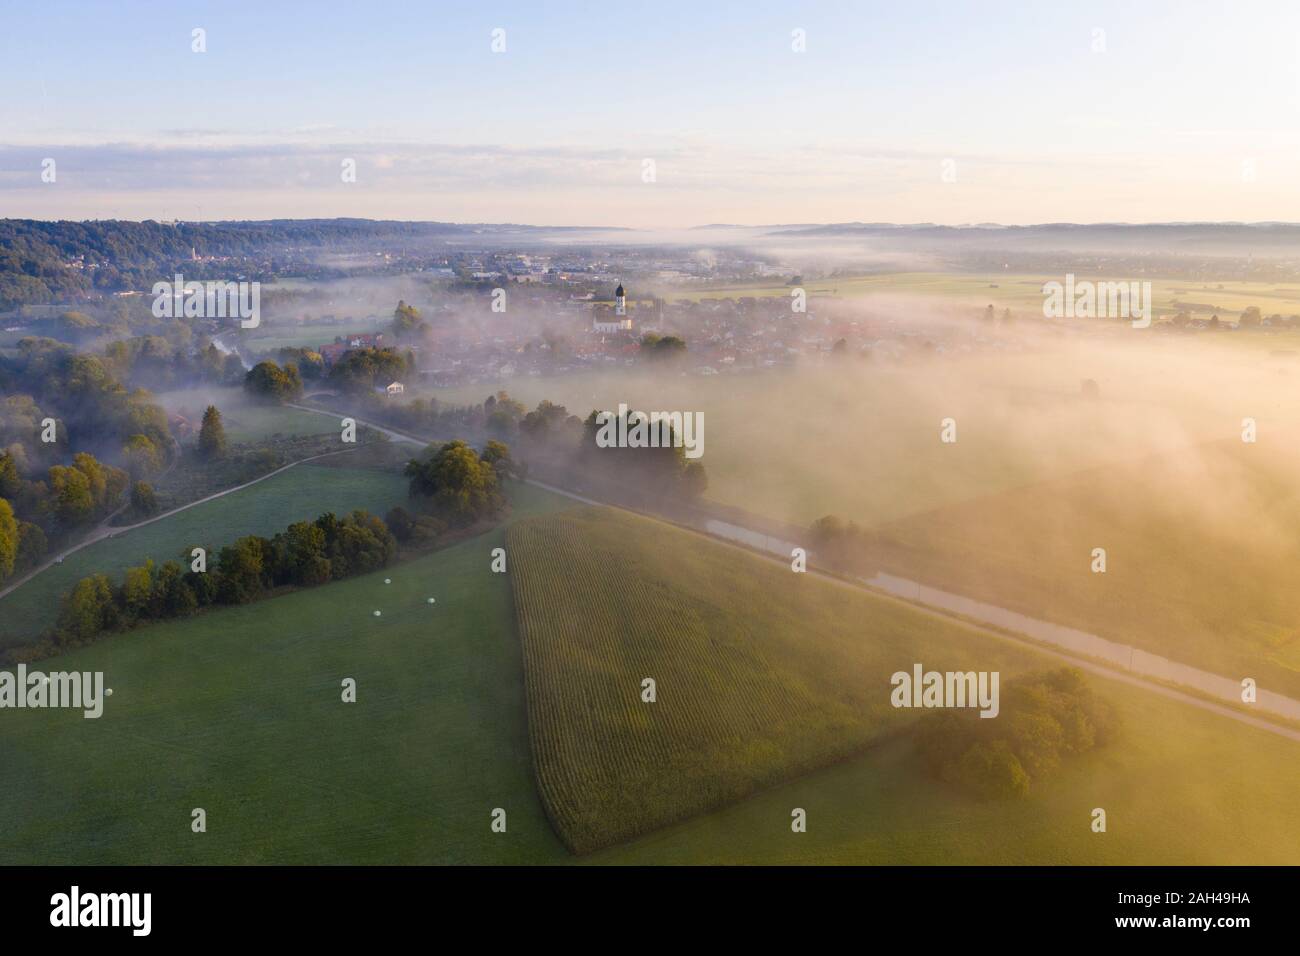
(620, 301)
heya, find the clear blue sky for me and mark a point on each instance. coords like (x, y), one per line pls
(1174, 111)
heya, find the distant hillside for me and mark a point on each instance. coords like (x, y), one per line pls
(43, 262)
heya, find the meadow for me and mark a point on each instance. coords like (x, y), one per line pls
(301, 492)
(244, 421)
(238, 712)
(1023, 292)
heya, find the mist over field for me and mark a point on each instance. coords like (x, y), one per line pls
(746, 435)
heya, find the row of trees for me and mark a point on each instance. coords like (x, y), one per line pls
(357, 372)
(305, 554)
(1044, 718)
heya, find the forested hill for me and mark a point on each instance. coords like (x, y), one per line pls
(43, 262)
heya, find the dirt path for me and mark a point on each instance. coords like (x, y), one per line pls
(105, 530)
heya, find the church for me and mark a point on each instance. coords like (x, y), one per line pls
(619, 321)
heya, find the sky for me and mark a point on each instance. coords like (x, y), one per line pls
(652, 115)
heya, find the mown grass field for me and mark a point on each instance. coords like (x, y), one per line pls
(303, 491)
(238, 712)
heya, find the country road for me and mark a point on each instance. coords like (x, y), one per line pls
(1025, 632)
(1120, 662)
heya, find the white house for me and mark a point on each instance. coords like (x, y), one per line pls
(395, 388)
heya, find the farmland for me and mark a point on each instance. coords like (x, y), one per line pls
(264, 508)
(237, 711)
(763, 675)
(741, 703)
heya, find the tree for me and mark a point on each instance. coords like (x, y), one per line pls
(73, 501)
(32, 545)
(694, 479)
(142, 456)
(497, 454)
(143, 500)
(138, 593)
(455, 483)
(406, 320)
(240, 566)
(300, 555)
(662, 346)
(212, 434)
(360, 370)
(270, 382)
(86, 610)
(9, 540)
(173, 596)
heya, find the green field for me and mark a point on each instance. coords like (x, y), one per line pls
(1023, 293)
(304, 491)
(763, 674)
(237, 711)
(244, 421)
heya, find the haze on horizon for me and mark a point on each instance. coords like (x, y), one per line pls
(1099, 112)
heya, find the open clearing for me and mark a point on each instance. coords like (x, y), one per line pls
(302, 492)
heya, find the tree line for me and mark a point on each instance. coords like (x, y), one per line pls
(450, 486)
(305, 554)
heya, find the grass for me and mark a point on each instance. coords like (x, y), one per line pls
(244, 421)
(238, 712)
(763, 674)
(264, 508)
(1023, 292)
(1163, 806)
